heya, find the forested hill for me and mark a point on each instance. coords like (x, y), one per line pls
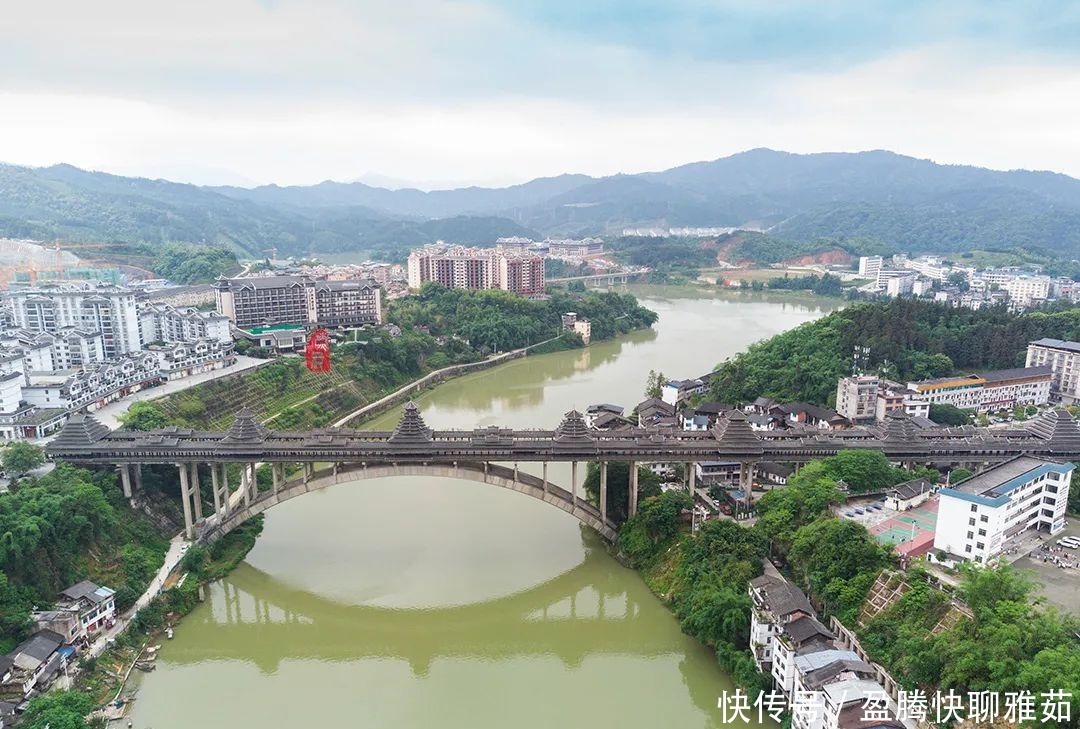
(899, 202)
(63, 202)
(911, 339)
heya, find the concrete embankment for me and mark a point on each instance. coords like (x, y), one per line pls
(430, 380)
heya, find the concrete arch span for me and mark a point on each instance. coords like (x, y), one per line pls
(513, 479)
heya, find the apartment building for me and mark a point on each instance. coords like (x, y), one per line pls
(1026, 291)
(856, 397)
(522, 275)
(1063, 359)
(979, 515)
(869, 267)
(995, 390)
(93, 387)
(569, 249)
(460, 267)
(891, 401)
(1005, 389)
(167, 324)
(344, 304)
(270, 300)
(775, 603)
(828, 685)
(258, 301)
(110, 310)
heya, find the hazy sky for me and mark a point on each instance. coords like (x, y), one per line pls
(436, 91)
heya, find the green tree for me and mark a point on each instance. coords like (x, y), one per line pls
(959, 474)
(958, 279)
(862, 470)
(838, 560)
(58, 710)
(144, 415)
(943, 414)
(21, 457)
(654, 384)
(646, 534)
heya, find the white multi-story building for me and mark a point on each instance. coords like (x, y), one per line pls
(299, 300)
(931, 267)
(990, 391)
(460, 267)
(892, 401)
(573, 250)
(182, 359)
(1025, 291)
(898, 285)
(962, 392)
(110, 310)
(775, 603)
(856, 397)
(94, 387)
(869, 267)
(978, 516)
(1005, 389)
(1063, 359)
(165, 324)
(825, 684)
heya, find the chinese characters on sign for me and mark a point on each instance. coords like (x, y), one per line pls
(812, 707)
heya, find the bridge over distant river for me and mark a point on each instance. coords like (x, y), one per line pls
(327, 456)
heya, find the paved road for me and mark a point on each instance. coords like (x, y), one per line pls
(109, 415)
(178, 547)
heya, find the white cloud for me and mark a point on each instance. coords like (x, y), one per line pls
(294, 92)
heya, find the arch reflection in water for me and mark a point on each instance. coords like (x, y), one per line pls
(584, 611)
(596, 616)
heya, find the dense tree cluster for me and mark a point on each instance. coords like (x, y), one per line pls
(908, 339)
(20, 457)
(827, 285)
(495, 320)
(1013, 644)
(189, 264)
(48, 528)
(768, 248)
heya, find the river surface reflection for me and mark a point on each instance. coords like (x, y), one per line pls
(428, 602)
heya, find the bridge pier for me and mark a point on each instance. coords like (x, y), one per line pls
(545, 477)
(215, 486)
(196, 493)
(225, 492)
(185, 497)
(137, 471)
(691, 477)
(245, 487)
(603, 491)
(746, 481)
(573, 482)
(125, 479)
(278, 471)
(633, 488)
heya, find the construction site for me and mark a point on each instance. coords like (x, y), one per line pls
(26, 262)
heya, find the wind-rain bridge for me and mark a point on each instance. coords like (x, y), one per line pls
(328, 456)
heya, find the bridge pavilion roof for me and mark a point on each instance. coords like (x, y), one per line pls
(1054, 433)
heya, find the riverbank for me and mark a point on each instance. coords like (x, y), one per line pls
(106, 668)
(432, 379)
(377, 600)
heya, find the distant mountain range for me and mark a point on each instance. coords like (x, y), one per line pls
(901, 202)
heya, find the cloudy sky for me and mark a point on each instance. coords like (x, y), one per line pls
(438, 92)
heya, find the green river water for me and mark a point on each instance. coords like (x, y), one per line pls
(427, 603)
